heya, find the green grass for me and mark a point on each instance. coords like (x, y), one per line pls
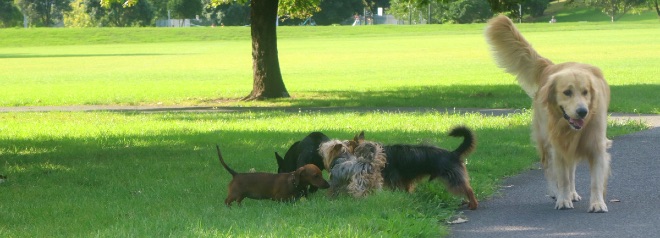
(418, 66)
(109, 174)
(156, 174)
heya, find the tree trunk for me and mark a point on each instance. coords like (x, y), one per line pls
(267, 77)
(657, 9)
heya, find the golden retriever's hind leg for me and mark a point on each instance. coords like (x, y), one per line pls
(600, 170)
(575, 197)
(562, 169)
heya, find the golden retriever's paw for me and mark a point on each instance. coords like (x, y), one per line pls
(575, 197)
(563, 204)
(598, 207)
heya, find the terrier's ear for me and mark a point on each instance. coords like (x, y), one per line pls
(359, 138)
(352, 145)
(337, 147)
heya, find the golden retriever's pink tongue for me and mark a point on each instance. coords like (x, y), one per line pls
(577, 122)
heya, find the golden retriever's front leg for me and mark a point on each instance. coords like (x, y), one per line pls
(563, 170)
(600, 170)
(551, 178)
(575, 197)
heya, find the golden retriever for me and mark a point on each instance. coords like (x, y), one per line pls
(570, 103)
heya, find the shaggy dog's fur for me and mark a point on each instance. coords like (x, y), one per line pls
(301, 153)
(570, 102)
(407, 164)
(357, 173)
(279, 187)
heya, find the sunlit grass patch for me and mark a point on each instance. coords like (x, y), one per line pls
(418, 66)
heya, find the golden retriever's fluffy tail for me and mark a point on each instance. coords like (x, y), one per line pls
(513, 53)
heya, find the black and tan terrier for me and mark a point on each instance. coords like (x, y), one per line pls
(407, 164)
(278, 187)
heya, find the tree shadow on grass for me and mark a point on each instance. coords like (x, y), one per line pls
(637, 98)
(473, 96)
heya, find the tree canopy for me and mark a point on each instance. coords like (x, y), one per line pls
(613, 8)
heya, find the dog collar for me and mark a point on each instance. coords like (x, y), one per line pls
(295, 181)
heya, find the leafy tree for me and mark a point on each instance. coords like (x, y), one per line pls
(458, 11)
(504, 5)
(405, 9)
(336, 11)
(469, 11)
(122, 13)
(79, 15)
(160, 8)
(533, 8)
(612, 8)
(43, 12)
(185, 9)
(237, 14)
(9, 14)
(654, 4)
(211, 11)
(267, 77)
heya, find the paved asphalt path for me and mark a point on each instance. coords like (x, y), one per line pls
(522, 208)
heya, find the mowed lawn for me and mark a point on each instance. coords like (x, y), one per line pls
(139, 174)
(110, 174)
(436, 65)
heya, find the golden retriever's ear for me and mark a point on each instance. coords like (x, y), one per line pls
(547, 92)
(593, 92)
(596, 71)
(599, 88)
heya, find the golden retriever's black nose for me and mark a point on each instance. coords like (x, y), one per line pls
(582, 112)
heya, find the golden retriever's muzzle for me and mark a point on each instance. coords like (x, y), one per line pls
(576, 123)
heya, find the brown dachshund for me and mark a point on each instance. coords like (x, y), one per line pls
(278, 187)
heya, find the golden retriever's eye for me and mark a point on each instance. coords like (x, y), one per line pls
(568, 93)
(585, 92)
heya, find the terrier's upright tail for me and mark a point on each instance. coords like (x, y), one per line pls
(513, 53)
(469, 141)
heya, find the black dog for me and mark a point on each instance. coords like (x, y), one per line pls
(407, 164)
(301, 153)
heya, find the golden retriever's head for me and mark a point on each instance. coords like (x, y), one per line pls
(570, 93)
